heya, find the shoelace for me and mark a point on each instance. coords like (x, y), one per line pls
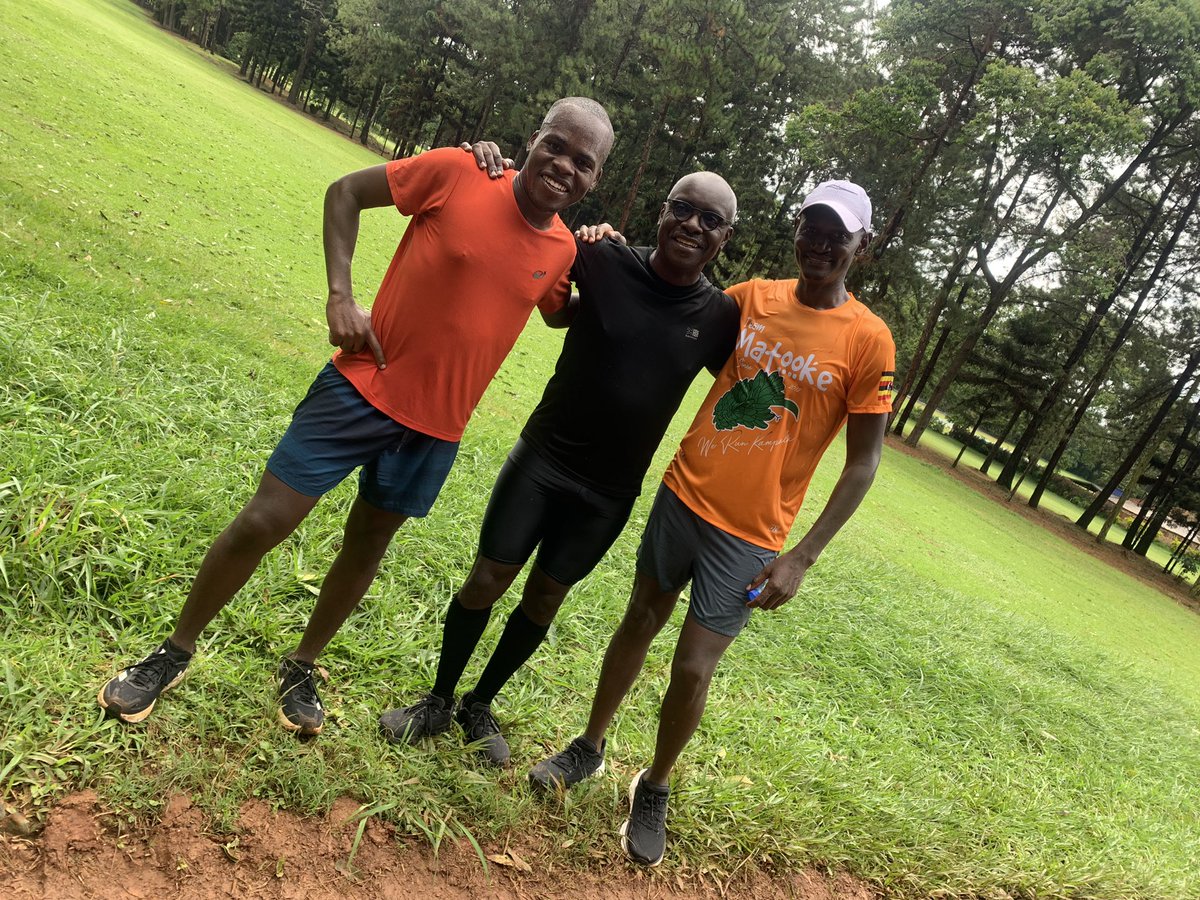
(425, 707)
(483, 723)
(150, 672)
(298, 681)
(651, 812)
(576, 756)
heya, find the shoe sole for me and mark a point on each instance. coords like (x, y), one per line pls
(625, 825)
(554, 784)
(305, 731)
(134, 718)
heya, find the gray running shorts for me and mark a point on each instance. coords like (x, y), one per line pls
(678, 546)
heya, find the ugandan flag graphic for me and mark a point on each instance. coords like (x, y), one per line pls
(885, 386)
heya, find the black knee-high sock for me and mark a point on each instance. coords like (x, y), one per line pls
(521, 637)
(460, 634)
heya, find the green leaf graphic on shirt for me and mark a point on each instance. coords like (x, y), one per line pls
(750, 403)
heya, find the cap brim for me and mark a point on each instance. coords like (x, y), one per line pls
(850, 221)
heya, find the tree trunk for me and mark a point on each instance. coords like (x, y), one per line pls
(364, 136)
(1097, 380)
(357, 113)
(647, 146)
(1000, 439)
(1181, 551)
(974, 428)
(1163, 495)
(931, 319)
(310, 44)
(932, 151)
(926, 374)
(1141, 443)
(999, 293)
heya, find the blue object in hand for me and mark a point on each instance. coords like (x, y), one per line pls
(752, 594)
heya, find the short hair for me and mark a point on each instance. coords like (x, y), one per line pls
(588, 107)
(583, 104)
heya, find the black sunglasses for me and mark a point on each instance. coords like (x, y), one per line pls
(681, 210)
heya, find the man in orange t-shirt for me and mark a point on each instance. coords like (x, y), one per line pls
(476, 258)
(809, 358)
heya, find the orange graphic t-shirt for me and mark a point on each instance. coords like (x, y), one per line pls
(779, 401)
(467, 274)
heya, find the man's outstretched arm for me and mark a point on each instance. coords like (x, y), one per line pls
(864, 446)
(349, 323)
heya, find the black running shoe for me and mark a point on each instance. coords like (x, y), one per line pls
(480, 727)
(130, 696)
(300, 707)
(644, 833)
(580, 760)
(428, 716)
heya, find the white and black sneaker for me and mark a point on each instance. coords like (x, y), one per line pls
(644, 833)
(131, 695)
(300, 707)
(580, 760)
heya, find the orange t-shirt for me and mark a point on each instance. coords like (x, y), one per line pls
(467, 274)
(779, 401)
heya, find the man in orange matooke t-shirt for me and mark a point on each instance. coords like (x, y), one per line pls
(810, 358)
(476, 258)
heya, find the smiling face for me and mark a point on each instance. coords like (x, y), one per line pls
(685, 244)
(824, 248)
(566, 157)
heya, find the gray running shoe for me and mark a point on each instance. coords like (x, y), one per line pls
(300, 707)
(428, 716)
(578, 761)
(130, 696)
(644, 833)
(480, 727)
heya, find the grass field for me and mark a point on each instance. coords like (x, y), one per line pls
(1159, 553)
(958, 702)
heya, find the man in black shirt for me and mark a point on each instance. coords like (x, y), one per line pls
(644, 323)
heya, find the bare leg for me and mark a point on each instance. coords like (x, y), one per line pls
(696, 656)
(369, 531)
(542, 597)
(271, 515)
(486, 583)
(649, 609)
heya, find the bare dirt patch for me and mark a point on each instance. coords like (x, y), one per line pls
(1119, 558)
(81, 853)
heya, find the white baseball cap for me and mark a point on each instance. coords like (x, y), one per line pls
(845, 198)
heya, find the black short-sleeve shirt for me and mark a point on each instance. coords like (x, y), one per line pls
(631, 353)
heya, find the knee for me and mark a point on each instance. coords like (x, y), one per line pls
(487, 583)
(369, 531)
(691, 674)
(541, 608)
(643, 621)
(257, 528)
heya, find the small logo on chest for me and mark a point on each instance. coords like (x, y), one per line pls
(692, 334)
(540, 273)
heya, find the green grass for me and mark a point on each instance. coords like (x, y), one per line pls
(948, 447)
(957, 702)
